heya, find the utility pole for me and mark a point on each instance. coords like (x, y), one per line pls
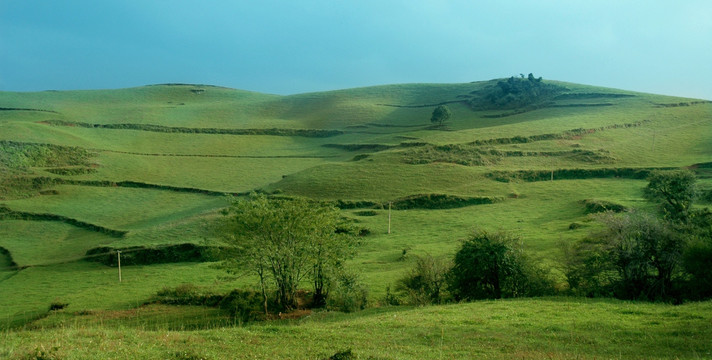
(118, 255)
(389, 217)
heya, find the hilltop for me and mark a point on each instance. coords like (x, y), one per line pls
(147, 169)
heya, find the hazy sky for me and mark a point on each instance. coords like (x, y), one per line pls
(287, 47)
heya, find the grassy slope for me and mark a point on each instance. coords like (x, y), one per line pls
(526, 328)
(540, 212)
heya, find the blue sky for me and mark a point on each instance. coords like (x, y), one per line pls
(288, 47)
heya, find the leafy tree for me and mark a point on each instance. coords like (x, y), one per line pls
(636, 256)
(426, 283)
(285, 241)
(674, 191)
(488, 266)
(441, 114)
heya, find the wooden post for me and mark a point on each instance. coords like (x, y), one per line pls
(118, 255)
(389, 217)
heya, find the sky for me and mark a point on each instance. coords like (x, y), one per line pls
(289, 47)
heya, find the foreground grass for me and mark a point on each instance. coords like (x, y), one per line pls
(547, 328)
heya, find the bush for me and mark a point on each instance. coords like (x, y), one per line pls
(596, 206)
(492, 266)
(245, 305)
(426, 282)
(348, 294)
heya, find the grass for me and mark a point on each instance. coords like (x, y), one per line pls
(109, 315)
(547, 328)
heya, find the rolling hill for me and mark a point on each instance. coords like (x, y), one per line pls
(152, 166)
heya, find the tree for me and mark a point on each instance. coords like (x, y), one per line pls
(441, 114)
(285, 241)
(674, 191)
(636, 256)
(488, 266)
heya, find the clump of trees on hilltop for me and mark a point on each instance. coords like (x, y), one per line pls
(515, 93)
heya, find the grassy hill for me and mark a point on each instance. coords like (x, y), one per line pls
(151, 166)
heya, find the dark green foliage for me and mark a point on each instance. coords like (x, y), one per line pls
(589, 269)
(562, 174)
(347, 293)
(426, 282)
(140, 255)
(492, 266)
(596, 206)
(441, 201)
(186, 355)
(6, 261)
(342, 355)
(360, 157)
(635, 257)
(570, 96)
(361, 147)
(243, 305)
(367, 213)
(69, 171)
(57, 305)
(441, 114)
(697, 262)
(315, 133)
(6, 213)
(674, 191)
(515, 93)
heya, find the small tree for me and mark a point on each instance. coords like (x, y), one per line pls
(441, 114)
(488, 266)
(674, 191)
(285, 241)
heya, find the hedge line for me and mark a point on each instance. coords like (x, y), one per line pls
(71, 171)
(7, 214)
(141, 255)
(596, 206)
(440, 201)
(317, 133)
(554, 136)
(8, 258)
(560, 174)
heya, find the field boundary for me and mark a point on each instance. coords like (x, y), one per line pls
(8, 214)
(314, 133)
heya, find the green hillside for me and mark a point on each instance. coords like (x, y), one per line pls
(153, 166)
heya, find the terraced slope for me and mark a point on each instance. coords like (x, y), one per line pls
(151, 166)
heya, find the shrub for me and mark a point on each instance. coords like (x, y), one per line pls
(348, 293)
(57, 305)
(245, 305)
(492, 266)
(596, 206)
(426, 282)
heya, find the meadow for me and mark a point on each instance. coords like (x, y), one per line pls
(162, 161)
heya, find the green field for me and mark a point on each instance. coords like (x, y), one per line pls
(162, 161)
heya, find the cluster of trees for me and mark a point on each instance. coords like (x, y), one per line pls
(659, 257)
(488, 265)
(515, 93)
(638, 255)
